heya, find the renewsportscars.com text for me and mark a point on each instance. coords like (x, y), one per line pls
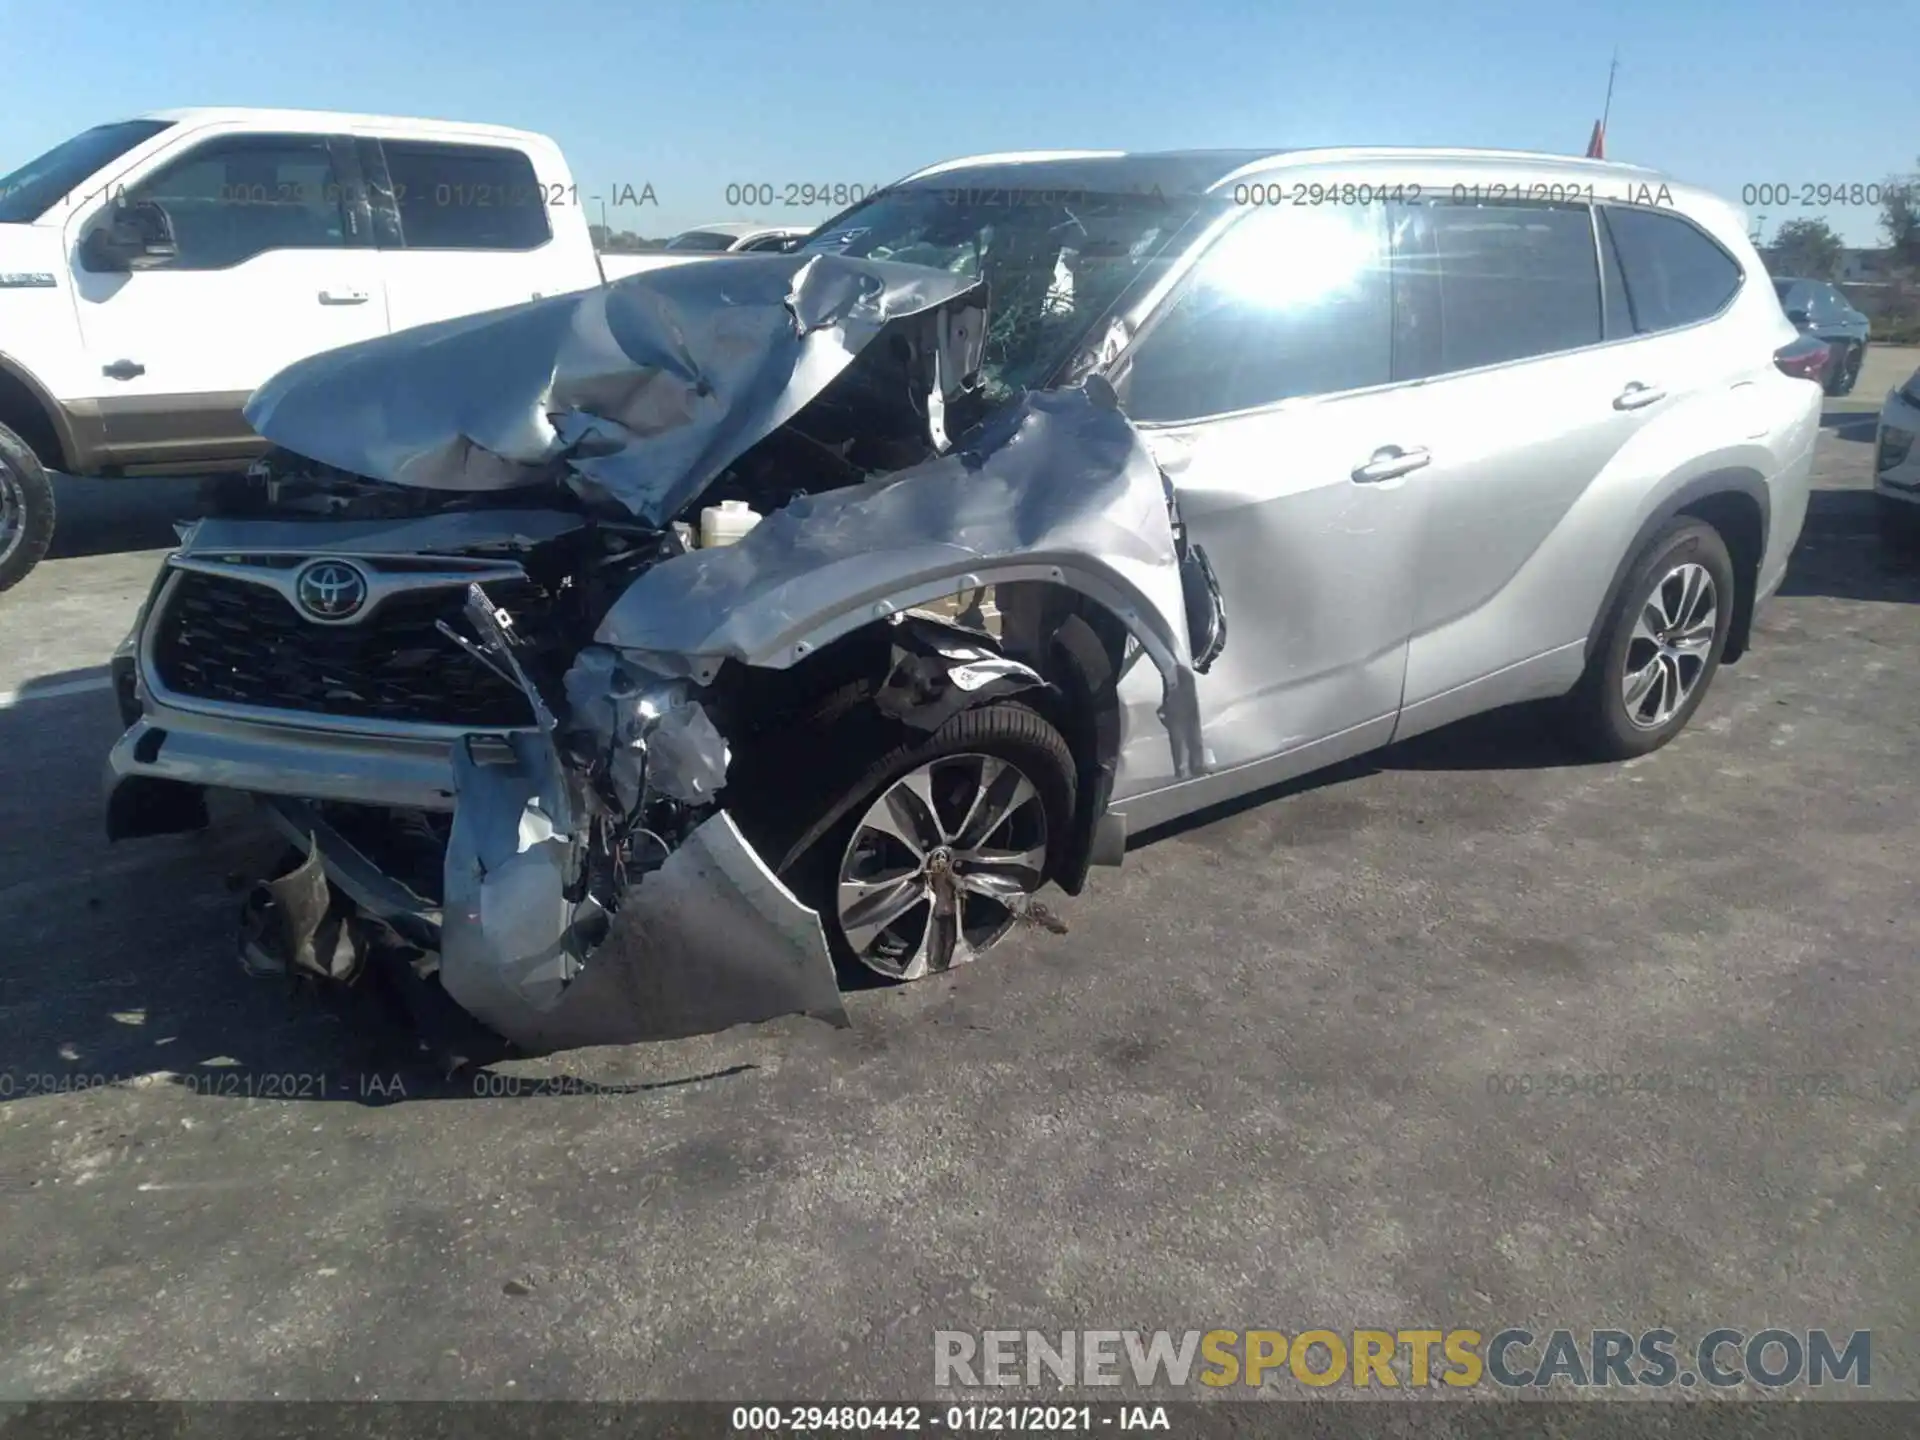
(1513, 1358)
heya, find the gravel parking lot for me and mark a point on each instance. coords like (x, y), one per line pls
(1277, 1074)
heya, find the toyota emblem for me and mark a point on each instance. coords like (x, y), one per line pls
(330, 590)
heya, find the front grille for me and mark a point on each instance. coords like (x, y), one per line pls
(244, 644)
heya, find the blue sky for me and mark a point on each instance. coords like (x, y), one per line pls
(689, 97)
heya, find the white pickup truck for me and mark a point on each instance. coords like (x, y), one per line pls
(155, 271)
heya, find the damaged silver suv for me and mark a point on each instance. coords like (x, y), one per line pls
(654, 658)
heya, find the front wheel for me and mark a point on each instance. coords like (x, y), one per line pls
(938, 843)
(26, 509)
(1660, 646)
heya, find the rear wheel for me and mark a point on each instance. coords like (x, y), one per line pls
(1660, 647)
(1845, 372)
(936, 844)
(26, 509)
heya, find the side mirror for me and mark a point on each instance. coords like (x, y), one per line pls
(137, 236)
(1800, 318)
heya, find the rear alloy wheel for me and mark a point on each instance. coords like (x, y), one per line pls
(938, 864)
(1660, 647)
(26, 509)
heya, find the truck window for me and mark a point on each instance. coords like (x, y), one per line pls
(239, 196)
(467, 197)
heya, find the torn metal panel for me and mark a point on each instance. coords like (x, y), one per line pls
(640, 392)
(507, 925)
(939, 670)
(1057, 487)
(653, 734)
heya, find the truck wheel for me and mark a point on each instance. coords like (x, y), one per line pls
(26, 509)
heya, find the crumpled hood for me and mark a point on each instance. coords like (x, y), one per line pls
(642, 391)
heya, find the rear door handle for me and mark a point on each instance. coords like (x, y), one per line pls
(343, 297)
(1637, 396)
(123, 370)
(1390, 462)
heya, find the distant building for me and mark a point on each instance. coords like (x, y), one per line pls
(1867, 267)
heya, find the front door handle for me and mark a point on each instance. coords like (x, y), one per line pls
(343, 297)
(1637, 396)
(1390, 462)
(123, 370)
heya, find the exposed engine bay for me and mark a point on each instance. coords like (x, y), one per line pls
(528, 633)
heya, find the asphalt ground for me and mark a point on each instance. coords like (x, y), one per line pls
(1323, 1060)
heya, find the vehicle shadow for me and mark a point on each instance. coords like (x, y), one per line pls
(1842, 557)
(111, 517)
(1857, 426)
(1515, 737)
(119, 964)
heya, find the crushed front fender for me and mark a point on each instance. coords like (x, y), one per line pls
(709, 940)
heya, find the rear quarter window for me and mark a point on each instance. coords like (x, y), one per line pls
(1676, 275)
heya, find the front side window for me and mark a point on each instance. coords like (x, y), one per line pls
(1675, 275)
(234, 198)
(466, 197)
(60, 176)
(1512, 281)
(1287, 303)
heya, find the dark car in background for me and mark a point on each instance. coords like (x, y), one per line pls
(1820, 310)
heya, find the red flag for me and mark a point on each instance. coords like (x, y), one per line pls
(1597, 145)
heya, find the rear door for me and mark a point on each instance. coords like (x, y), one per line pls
(274, 264)
(464, 228)
(1542, 366)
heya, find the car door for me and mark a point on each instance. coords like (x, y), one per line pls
(1536, 380)
(464, 228)
(1262, 387)
(273, 263)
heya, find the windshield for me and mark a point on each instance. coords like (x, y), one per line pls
(710, 240)
(1055, 261)
(53, 179)
(1783, 288)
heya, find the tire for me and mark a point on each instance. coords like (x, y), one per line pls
(1846, 373)
(852, 777)
(1603, 720)
(26, 509)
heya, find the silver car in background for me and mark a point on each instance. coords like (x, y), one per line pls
(1068, 493)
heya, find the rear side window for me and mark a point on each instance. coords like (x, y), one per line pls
(234, 198)
(1514, 281)
(1675, 275)
(466, 197)
(1289, 302)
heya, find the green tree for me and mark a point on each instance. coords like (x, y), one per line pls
(1807, 248)
(1900, 217)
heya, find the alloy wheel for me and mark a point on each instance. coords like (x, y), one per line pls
(1672, 641)
(940, 864)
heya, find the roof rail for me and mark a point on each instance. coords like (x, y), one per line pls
(1010, 156)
